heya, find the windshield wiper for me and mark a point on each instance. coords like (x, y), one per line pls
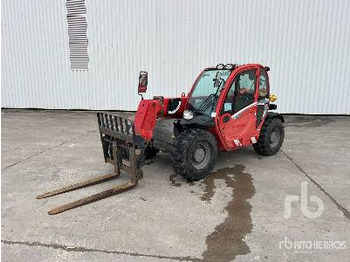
(204, 105)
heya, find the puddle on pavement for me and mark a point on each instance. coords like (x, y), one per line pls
(227, 240)
(308, 121)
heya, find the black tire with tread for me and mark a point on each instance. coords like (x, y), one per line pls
(181, 153)
(263, 145)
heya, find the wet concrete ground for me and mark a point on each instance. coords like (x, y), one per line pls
(238, 213)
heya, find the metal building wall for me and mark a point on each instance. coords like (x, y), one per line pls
(305, 42)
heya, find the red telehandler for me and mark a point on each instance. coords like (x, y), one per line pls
(228, 107)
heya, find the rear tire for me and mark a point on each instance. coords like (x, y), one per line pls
(271, 137)
(194, 154)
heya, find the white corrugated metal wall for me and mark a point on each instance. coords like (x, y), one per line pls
(305, 42)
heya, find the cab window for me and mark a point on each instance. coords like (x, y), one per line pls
(263, 84)
(241, 93)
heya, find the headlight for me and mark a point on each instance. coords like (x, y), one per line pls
(230, 66)
(220, 66)
(188, 115)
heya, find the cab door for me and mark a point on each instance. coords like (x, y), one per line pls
(237, 117)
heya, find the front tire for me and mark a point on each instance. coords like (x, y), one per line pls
(194, 154)
(271, 137)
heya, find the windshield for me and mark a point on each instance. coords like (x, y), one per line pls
(205, 93)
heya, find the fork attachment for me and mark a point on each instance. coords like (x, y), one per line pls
(121, 148)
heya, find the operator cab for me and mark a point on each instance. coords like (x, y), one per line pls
(206, 91)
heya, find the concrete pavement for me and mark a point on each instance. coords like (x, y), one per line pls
(238, 213)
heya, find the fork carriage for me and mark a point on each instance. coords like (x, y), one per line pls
(119, 143)
(121, 148)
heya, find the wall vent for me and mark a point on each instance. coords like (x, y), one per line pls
(77, 31)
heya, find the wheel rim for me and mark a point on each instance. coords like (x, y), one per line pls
(275, 137)
(201, 156)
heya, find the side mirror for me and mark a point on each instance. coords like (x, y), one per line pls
(143, 81)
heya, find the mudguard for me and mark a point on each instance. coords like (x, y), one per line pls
(146, 117)
(274, 115)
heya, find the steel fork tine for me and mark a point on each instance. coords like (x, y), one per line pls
(104, 194)
(86, 183)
